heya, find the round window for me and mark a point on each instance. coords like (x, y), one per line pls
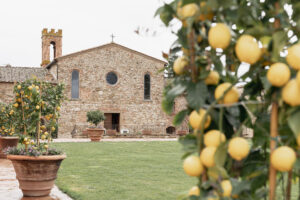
(111, 78)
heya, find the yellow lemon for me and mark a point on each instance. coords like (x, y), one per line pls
(212, 78)
(232, 96)
(219, 36)
(293, 57)
(194, 191)
(298, 140)
(188, 10)
(37, 87)
(291, 93)
(226, 187)
(192, 166)
(247, 49)
(298, 78)
(207, 156)
(19, 87)
(278, 74)
(43, 137)
(196, 118)
(238, 148)
(16, 105)
(46, 146)
(25, 139)
(179, 65)
(30, 88)
(185, 51)
(205, 14)
(58, 108)
(46, 133)
(214, 138)
(283, 158)
(43, 127)
(37, 107)
(52, 128)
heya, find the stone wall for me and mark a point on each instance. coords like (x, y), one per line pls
(125, 97)
(6, 92)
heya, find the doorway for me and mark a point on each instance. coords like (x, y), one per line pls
(112, 121)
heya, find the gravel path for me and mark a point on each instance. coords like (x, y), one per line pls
(9, 186)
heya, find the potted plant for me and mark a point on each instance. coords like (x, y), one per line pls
(36, 106)
(8, 136)
(95, 117)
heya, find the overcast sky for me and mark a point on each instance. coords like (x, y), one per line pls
(85, 24)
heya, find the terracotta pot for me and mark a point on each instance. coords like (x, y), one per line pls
(95, 134)
(7, 142)
(36, 175)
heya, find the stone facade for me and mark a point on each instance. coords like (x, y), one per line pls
(125, 98)
(123, 103)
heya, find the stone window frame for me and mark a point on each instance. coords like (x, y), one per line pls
(150, 74)
(118, 76)
(79, 72)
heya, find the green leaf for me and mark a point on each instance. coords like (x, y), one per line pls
(221, 154)
(166, 13)
(279, 41)
(239, 186)
(167, 105)
(293, 121)
(216, 172)
(177, 90)
(179, 117)
(189, 144)
(196, 95)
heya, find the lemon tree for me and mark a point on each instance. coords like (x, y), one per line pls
(236, 64)
(36, 106)
(7, 122)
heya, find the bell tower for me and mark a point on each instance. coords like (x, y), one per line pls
(51, 39)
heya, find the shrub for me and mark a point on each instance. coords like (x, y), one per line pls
(95, 117)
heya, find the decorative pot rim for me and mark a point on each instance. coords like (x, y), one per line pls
(95, 129)
(9, 137)
(36, 158)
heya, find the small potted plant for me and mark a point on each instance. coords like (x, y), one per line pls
(36, 164)
(8, 136)
(95, 117)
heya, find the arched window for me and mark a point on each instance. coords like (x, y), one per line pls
(52, 50)
(147, 87)
(75, 85)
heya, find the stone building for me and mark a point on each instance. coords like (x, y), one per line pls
(123, 83)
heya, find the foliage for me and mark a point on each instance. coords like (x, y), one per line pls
(7, 116)
(36, 107)
(275, 26)
(32, 151)
(95, 117)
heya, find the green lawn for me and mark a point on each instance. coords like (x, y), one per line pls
(126, 170)
(123, 170)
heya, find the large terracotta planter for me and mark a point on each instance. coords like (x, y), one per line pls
(95, 134)
(36, 175)
(7, 142)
